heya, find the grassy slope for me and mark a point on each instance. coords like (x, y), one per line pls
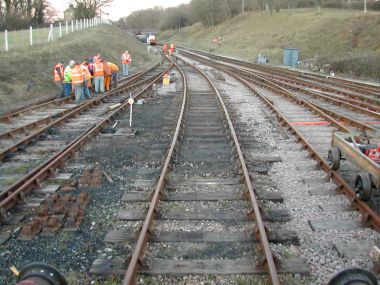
(349, 40)
(21, 66)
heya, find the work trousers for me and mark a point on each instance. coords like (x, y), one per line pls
(86, 91)
(99, 84)
(125, 69)
(107, 81)
(78, 92)
(61, 92)
(67, 89)
(115, 79)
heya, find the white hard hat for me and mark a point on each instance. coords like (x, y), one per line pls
(72, 63)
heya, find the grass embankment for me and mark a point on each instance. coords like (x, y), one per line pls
(34, 66)
(348, 40)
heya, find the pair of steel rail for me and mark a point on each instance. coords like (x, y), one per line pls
(136, 260)
(17, 191)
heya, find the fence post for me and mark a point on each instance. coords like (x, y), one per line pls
(31, 35)
(67, 28)
(60, 29)
(72, 26)
(81, 24)
(76, 24)
(51, 33)
(6, 40)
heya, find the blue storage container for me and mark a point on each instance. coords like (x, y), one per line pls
(291, 56)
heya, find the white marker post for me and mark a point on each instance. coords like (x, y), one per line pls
(30, 36)
(130, 101)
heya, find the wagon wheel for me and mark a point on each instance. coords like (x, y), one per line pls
(353, 276)
(363, 186)
(334, 158)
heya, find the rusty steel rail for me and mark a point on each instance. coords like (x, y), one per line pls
(136, 259)
(33, 180)
(324, 112)
(22, 129)
(278, 90)
(329, 115)
(355, 86)
(264, 243)
(309, 84)
(358, 106)
(7, 117)
(73, 112)
(369, 216)
(50, 119)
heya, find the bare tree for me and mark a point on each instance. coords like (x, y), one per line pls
(90, 8)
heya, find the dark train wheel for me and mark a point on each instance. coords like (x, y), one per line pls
(353, 276)
(42, 274)
(334, 158)
(363, 186)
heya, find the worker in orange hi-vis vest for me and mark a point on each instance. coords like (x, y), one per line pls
(114, 74)
(87, 79)
(97, 57)
(171, 51)
(165, 48)
(77, 80)
(98, 77)
(107, 75)
(126, 60)
(58, 79)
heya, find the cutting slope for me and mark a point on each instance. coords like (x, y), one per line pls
(348, 40)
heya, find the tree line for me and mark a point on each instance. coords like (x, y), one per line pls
(17, 14)
(213, 12)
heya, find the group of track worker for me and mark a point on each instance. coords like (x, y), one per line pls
(94, 75)
(166, 49)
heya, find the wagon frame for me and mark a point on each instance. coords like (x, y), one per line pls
(346, 145)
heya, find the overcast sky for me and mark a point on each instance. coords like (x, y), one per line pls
(121, 8)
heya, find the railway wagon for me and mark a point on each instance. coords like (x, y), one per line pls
(151, 40)
(362, 151)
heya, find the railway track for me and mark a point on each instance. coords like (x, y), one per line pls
(43, 106)
(24, 123)
(217, 153)
(203, 188)
(339, 84)
(26, 162)
(315, 136)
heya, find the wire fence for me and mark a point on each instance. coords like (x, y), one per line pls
(10, 40)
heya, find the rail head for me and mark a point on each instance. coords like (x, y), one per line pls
(135, 261)
(368, 214)
(264, 243)
(33, 179)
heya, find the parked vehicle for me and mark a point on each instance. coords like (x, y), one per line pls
(151, 40)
